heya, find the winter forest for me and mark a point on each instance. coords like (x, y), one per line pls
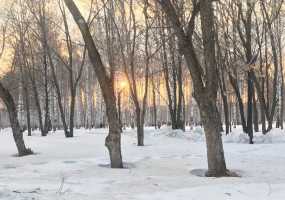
(142, 99)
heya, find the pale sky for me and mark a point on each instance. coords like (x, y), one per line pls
(5, 60)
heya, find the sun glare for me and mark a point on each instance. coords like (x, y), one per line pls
(123, 84)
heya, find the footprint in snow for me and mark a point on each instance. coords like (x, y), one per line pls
(69, 161)
(39, 163)
(9, 166)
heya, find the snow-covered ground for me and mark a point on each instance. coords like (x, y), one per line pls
(166, 168)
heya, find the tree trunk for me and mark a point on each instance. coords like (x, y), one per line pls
(250, 106)
(119, 110)
(23, 63)
(263, 119)
(58, 94)
(31, 74)
(17, 133)
(208, 108)
(179, 112)
(154, 109)
(140, 128)
(280, 48)
(255, 114)
(140, 133)
(38, 106)
(226, 111)
(176, 76)
(113, 140)
(262, 105)
(282, 102)
(205, 93)
(234, 84)
(72, 109)
(154, 102)
(215, 153)
(47, 124)
(28, 113)
(223, 91)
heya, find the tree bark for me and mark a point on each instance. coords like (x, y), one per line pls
(23, 63)
(154, 108)
(58, 94)
(255, 114)
(140, 129)
(208, 109)
(113, 140)
(235, 86)
(31, 74)
(205, 93)
(223, 91)
(27, 107)
(250, 90)
(17, 133)
(38, 107)
(47, 122)
(174, 106)
(72, 111)
(210, 118)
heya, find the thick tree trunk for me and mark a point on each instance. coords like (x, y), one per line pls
(205, 92)
(113, 140)
(215, 153)
(17, 133)
(208, 108)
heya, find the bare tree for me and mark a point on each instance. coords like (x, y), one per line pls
(205, 81)
(113, 140)
(11, 107)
